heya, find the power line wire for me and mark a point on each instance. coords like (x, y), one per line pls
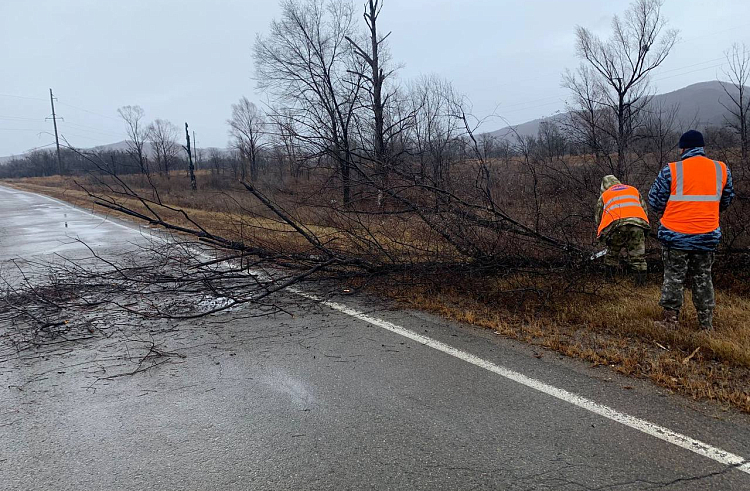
(38, 148)
(534, 107)
(690, 66)
(23, 129)
(81, 136)
(691, 71)
(19, 118)
(91, 129)
(87, 111)
(23, 97)
(531, 101)
(60, 103)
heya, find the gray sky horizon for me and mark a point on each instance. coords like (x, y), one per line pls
(189, 60)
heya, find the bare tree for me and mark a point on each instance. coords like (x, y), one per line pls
(137, 135)
(303, 62)
(163, 137)
(287, 147)
(215, 160)
(619, 68)
(659, 136)
(246, 127)
(738, 73)
(552, 143)
(375, 58)
(235, 163)
(587, 123)
(435, 127)
(524, 148)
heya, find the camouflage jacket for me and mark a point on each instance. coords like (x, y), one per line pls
(607, 183)
(658, 198)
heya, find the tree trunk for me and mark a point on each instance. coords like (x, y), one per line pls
(191, 167)
(346, 181)
(621, 143)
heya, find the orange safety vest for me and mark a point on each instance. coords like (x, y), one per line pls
(697, 185)
(621, 201)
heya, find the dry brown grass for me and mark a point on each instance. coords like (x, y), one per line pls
(219, 212)
(610, 326)
(225, 208)
(605, 324)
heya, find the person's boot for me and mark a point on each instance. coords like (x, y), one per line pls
(641, 277)
(705, 320)
(670, 320)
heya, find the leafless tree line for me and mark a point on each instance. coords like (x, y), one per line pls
(350, 169)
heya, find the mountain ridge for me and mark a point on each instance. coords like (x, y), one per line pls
(699, 104)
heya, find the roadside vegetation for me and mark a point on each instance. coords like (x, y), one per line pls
(352, 174)
(576, 313)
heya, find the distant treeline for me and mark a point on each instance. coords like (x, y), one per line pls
(375, 145)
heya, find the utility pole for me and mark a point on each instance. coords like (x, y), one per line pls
(57, 139)
(193, 184)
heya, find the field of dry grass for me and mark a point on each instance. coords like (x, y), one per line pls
(230, 213)
(605, 323)
(225, 208)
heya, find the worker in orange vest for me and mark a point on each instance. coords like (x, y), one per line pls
(622, 219)
(689, 195)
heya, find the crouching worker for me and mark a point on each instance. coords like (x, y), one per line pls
(621, 214)
(689, 195)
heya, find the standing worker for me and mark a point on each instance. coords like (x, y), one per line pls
(689, 195)
(622, 219)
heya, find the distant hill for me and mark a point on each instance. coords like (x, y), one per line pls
(701, 102)
(120, 146)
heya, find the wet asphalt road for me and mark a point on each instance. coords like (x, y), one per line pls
(322, 400)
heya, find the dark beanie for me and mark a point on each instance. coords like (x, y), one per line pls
(691, 139)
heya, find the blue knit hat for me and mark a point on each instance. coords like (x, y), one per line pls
(691, 139)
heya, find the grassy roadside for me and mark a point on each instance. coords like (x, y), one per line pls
(610, 327)
(214, 212)
(606, 324)
(229, 211)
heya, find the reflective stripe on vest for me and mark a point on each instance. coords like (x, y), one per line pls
(680, 185)
(621, 201)
(695, 195)
(624, 197)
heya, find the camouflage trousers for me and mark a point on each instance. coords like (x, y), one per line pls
(631, 238)
(695, 265)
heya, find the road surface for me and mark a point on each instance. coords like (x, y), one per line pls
(344, 395)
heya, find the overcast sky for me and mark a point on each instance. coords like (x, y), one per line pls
(188, 60)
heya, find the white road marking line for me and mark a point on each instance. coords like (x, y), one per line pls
(660, 432)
